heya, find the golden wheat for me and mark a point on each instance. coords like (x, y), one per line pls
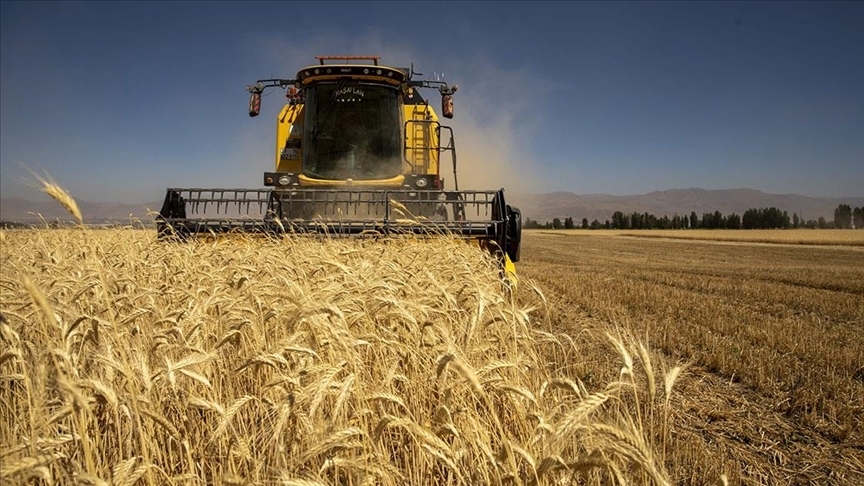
(50, 187)
(241, 360)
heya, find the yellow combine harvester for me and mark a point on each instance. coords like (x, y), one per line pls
(358, 152)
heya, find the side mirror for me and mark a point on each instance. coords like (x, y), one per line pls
(255, 104)
(447, 105)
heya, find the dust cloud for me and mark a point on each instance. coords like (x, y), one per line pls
(492, 156)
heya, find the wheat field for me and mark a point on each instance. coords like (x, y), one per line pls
(621, 358)
(771, 332)
(297, 361)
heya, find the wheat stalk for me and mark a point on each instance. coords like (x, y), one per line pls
(53, 189)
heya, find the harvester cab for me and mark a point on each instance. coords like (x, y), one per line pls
(358, 152)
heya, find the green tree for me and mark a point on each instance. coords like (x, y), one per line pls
(765, 218)
(843, 217)
(750, 220)
(733, 221)
(822, 224)
(858, 218)
(795, 220)
(619, 221)
(649, 221)
(694, 220)
(584, 223)
(556, 223)
(568, 223)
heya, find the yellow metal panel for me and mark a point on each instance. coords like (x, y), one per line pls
(421, 138)
(510, 271)
(395, 182)
(508, 268)
(289, 124)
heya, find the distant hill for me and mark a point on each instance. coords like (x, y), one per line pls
(22, 210)
(540, 207)
(545, 207)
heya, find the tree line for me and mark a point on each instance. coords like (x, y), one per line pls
(845, 217)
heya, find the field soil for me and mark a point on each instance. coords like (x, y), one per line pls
(769, 326)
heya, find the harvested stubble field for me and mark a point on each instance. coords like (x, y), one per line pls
(125, 360)
(772, 331)
(774, 236)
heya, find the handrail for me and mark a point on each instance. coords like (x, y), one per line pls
(348, 58)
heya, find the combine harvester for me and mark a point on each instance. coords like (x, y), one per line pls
(358, 153)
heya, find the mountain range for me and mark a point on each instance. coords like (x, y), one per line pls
(26, 211)
(539, 207)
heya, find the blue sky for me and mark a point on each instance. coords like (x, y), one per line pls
(117, 101)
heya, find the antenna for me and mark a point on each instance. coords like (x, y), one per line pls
(414, 73)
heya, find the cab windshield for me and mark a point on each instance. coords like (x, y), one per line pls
(352, 131)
